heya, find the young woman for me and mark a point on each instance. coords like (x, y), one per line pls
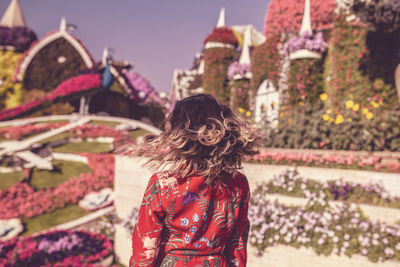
(194, 213)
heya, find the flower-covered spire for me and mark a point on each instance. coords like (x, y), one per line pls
(221, 19)
(245, 55)
(13, 17)
(306, 22)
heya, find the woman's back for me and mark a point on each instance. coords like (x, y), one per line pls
(185, 222)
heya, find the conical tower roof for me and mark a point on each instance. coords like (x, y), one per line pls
(245, 55)
(13, 17)
(221, 19)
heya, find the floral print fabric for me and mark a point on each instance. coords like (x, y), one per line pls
(185, 222)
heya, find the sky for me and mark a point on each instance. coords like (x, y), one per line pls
(157, 36)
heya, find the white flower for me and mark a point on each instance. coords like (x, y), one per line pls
(335, 239)
(385, 241)
(375, 242)
(364, 251)
(389, 252)
(346, 237)
(331, 233)
(320, 241)
(398, 246)
(346, 244)
(276, 237)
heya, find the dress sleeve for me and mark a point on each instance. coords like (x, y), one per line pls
(147, 234)
(236, 251)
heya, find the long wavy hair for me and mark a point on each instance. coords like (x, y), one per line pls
(201, 136)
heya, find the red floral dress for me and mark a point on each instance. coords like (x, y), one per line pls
(185, 222)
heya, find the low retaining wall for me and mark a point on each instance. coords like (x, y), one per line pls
(131, 179)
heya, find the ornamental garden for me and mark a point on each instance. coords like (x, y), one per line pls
(322, 82)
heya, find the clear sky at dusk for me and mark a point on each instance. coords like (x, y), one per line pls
(157, 36)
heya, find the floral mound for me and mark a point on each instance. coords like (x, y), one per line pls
(342, 230)
(23, 201)
(57, 248)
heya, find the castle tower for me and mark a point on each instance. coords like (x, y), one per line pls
(13, 17)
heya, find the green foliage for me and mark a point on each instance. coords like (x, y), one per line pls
(8, 179)
(54, 218)
(92, 147)
(10, 92)
(304, 81)
(360, 65)
(266, 62)
(240, 94)
(215, 79)
(315, 127)
(64, 170)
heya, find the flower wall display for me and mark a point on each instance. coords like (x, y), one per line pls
(215, 79)
(305, 82)
(84, 82)
(360, 65)
(266, 62)
(21, 132)
(10, 92)
(325, 160)
(56, 248)
(383, 15)
(342, 230)
(307, 41)
(240, 95)
(285, 16)
(222, 35)
(292, 183)
(353, 128)
(16, 38)
(23, 201)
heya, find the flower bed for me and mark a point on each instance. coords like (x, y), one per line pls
(20, 132)
(222, 35)
(57, 248)
(343, 230)
(327, 161)
(292, 184)
(23, 201)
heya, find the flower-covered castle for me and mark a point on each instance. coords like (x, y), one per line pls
(322, 70)
(57, 75)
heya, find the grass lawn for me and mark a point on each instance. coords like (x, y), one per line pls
(48, 220)
(57, 137)
(92, 147)
(8, 179)
(110, 124)
(139, 132)
(65, 170)
(46, 122)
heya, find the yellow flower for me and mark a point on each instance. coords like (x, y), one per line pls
(365, 111)
(329, 111)
(374, 104)
(302, 97)
(325, 117)
(356, 107)
(323, 97)
(275, 124)
(301, 103)
(339, 119)
(273, 104)
(349, 119)
(382, 124)
(369, 115)
(248, 113)
(241, 110)
(349, 103)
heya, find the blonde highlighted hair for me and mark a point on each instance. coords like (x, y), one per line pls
(201, 137)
